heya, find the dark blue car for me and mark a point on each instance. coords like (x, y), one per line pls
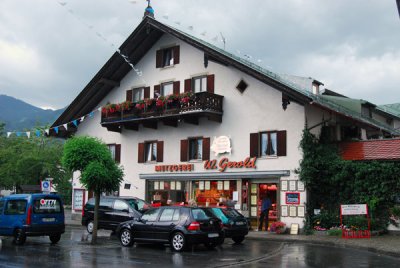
(23, 215)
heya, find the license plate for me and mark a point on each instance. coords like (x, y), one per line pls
(213, 235)
(240, 223)
(48, 219)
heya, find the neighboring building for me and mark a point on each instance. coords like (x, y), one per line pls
(237, 137)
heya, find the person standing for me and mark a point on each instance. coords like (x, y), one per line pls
(265, 206)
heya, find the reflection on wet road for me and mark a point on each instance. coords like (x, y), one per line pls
(74, 250)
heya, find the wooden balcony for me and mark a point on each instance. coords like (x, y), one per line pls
(201, 104)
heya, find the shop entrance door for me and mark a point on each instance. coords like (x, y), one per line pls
(257, 193)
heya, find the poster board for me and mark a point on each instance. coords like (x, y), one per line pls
(79, 198)
(294, 229)
(284, 185)
(292, 198)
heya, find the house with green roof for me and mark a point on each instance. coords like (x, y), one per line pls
(190, 121)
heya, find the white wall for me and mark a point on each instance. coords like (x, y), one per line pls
(259, 108)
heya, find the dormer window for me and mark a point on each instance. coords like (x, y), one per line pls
(167, 57)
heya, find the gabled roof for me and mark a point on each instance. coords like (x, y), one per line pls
(393, 109)
(148, 32)
(371, 150)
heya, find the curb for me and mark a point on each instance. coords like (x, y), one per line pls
(326, 243)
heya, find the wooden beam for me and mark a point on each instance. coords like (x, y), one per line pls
(171, 122)
(109, 82)
(131, 126)
(114, 128)
(192, 120)
(150, 124)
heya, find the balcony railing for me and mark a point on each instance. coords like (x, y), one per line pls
(187, 109)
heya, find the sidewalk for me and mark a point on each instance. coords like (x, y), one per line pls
(388, 244)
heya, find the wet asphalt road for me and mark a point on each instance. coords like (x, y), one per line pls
(75, 251)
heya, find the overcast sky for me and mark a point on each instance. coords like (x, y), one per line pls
(50, 49)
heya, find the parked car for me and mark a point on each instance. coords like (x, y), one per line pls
(23, 215)
(179, 226)
(235, 224)
(112, 211)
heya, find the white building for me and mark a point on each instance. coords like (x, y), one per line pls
(244, 119)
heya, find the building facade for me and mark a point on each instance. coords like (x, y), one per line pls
(189, 121)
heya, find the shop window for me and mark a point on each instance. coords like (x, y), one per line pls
(199, 84)
(268, 143)
(214, 193)
(115, 150)
(165, 192)
(195, 148)
(151, 151)
(167, 57)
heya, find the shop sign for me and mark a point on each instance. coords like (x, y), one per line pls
(220, 145)
(357, 209)
(224, 164)
(174, 168)
(293, 198)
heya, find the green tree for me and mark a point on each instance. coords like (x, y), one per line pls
(99, 172)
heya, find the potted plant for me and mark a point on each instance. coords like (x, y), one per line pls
(278, 227)
(185, 97)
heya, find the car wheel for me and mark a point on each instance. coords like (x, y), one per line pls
(55, 238)
(178, 241)
(19, 237)
(238, 239)
(90, 226)
(126, 238)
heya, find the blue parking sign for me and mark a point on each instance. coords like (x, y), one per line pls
(46, 186)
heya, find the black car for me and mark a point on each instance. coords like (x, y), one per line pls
(112, 211)
(178, 226)
(235, 224)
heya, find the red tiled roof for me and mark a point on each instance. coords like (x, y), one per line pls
(371, 150)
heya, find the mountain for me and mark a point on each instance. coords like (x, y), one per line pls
(21, 116)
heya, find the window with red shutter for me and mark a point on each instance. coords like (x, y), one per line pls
(177, 87)
(160, 151)
(188, 85)
(184, 150)
(210, 83)
(167, 57)
(141, 153)
(254, 145)
(206, 149)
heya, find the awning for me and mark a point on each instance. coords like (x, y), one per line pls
(184, 176)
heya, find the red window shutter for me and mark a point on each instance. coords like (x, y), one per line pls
(160, 151)
(281, 139)
(254, 145)
(176, 55)
(206, 149)
(188, 85)
(210, 83)
(118, 153)
(129, 96)
(146, 92)
(177, 87)
(184, 150)
(157, 89)
(141, 153)
(159, 58)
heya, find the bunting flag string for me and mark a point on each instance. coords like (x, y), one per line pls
(56, 129)
(102, 37)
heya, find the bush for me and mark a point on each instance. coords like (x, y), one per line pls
(326, 219)
(335, 231)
